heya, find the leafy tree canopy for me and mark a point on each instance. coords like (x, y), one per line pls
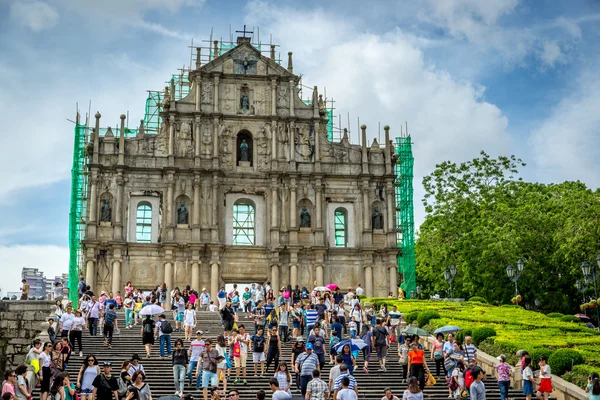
(481, 216)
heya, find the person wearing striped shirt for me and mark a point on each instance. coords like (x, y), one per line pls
(337, 386)
(306, 363)
(470, 349)
(312, 316)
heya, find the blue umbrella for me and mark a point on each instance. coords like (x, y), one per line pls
(447, 329)
(355, 345)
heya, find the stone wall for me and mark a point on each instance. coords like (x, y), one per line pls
(20, 323)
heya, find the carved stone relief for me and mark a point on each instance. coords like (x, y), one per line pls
(207, 92)
(282, 97)
(206, 138)
(304, 143)
(162, 140)
(225, 150)
(183, 144)
(263, 150)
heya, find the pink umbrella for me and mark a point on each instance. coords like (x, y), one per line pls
(332, 286)
(581, 316)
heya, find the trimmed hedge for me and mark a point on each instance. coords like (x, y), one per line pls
(563, 360)
(536, 353)
(411, 317)
(462, 334)
(555, 315)
(478, 299)
(425, 316)
(570, 318)
(579, 374)
(480, 334)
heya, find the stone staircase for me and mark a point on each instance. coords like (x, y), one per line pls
(160, 377)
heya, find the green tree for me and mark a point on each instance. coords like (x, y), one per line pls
(481, 217)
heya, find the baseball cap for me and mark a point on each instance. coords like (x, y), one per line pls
(107, 364)
(309, 346)
(199, 333)
(300, 339)
(501, 357)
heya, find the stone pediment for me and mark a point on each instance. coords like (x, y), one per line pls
(245, 59)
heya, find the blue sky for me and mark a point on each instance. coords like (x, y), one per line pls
(508, 77)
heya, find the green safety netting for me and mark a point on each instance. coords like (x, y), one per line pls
(405, 220)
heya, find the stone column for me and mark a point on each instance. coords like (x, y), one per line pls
(273, 96)
(317, 143)
(196, 274)
(318, 201)
(118, 231)
(116, 276)
(272, 130)
(292, 96)
(293, 275)
(198, 93)
(365, 157)
(196, 209)
(214, 281)
(393, 278)
(96, 139)
(388, 152)
(366, 207)
(93, 197)
(216, 96)
(389, 192)
(369, 280)
(319, 274)
(197, 135)
(274, 204)
(170, 184)
(215, 152)
(292, 132)
(275, 277)
(293, 212)
(121, 158)
(90, 274)
(171, 134)
(215, 209)
(169, 274)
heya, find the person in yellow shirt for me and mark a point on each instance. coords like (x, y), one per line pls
(137, 308)
(400, 293)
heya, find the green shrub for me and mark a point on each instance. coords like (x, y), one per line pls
(480, 334)
(425, 316)
(411, 317)
(563, 360)
(555, 315)
(362, 297)
(478, 299)
(579, 374)
(536, 353)
(570, 318)
(462, 334)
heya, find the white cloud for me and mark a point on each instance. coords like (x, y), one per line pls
(551, 53)
(386, 78)
(36, 15)
(566, 145)
(52, 260)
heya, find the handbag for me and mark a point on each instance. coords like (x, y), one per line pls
(464, 394)
(430, 380)
(449, 364)
(237, 349)
(438, 355)
(402, 360)
(227, 360)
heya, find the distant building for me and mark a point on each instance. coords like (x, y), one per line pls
(36, 280)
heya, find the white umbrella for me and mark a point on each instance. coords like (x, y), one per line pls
(152, 309)
(322, 289)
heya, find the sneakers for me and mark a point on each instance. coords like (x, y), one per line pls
(81, 354)
(383, 368)
(244, 382)
(177, 393)
(365, 370)
(236, 381)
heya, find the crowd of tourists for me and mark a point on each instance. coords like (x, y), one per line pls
(323, 326)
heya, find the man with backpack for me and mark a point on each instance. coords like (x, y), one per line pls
(470, 373)
(163, 330)
(110, 324)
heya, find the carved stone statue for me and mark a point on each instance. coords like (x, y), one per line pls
(244, 103)
(106, 214)
(182, 214)
(377, 219)
(244, 152)
(304, 218)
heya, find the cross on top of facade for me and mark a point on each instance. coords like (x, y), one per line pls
(245, 31)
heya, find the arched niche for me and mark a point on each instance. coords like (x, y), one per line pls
(185, 200)
(244, 136)
(379, 205)
(305, 203)
(106, 198)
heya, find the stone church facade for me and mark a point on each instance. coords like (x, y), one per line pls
(241, 184)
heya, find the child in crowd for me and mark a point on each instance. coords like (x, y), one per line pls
(51, 330)
(212, 307)
(352, 326)
(258, 351)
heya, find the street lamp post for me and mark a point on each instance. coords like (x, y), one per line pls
(419, 292)
(589, 274)
(581, 286)
(515, 273)
(449, 275)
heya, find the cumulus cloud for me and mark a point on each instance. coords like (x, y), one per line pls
(387, 78)
(551, 53)
(565, 145)
(35, 15)
(52, 260)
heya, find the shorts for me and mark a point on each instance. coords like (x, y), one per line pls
(209, 378)
(189, 323)
(87, 391)
(258, 357)
(381, 352)
(296, 324)
(240, 361)
(527, 388)
(179, 317)
(227, 325)
(545, 385)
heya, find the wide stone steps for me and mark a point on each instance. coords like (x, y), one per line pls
(160, 377)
